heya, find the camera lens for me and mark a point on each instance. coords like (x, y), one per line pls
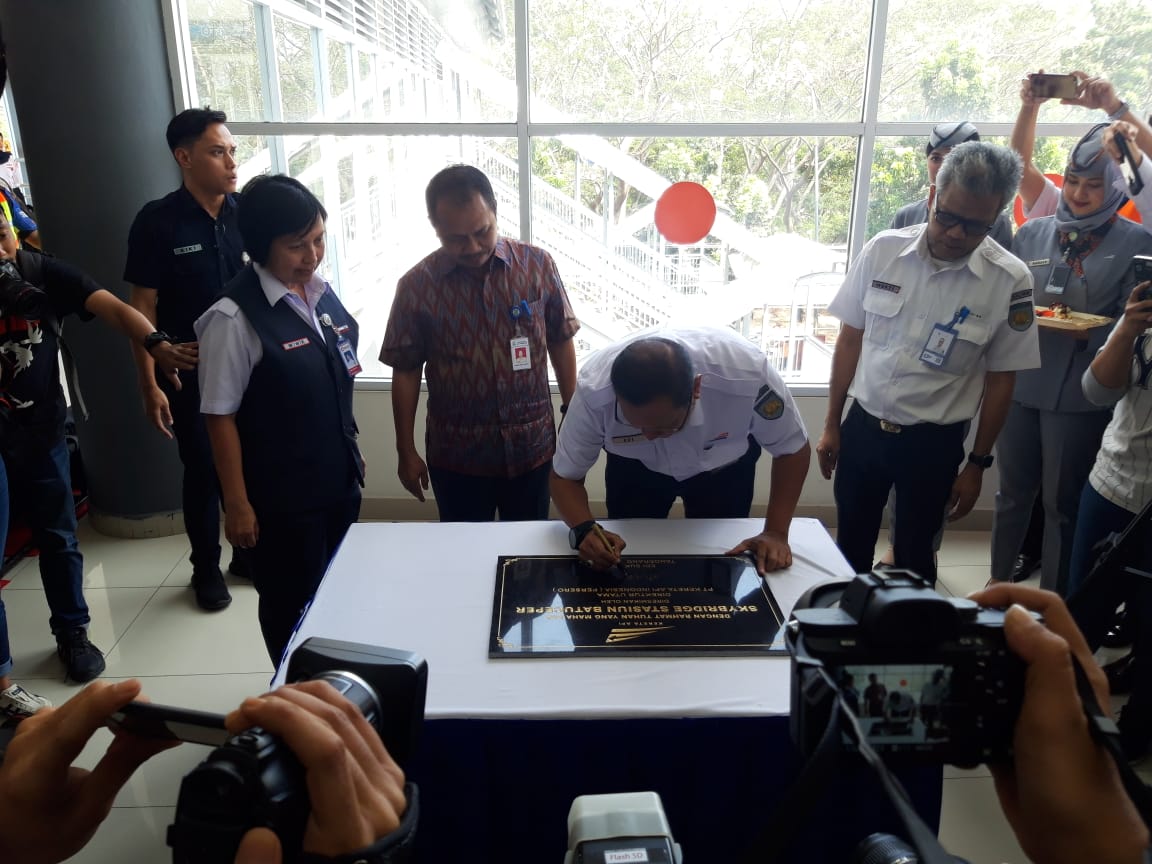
(884, 849)
(357, 691)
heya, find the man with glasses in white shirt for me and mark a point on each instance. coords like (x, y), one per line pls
(681, 413)
(936, 321)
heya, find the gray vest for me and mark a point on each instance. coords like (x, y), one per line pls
(1103, 290)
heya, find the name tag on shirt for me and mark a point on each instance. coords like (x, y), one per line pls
(297, 343)
(348, 355)
(885, 286)
(521, 356)
(627, 439)
(1040, 262)
(184, 250)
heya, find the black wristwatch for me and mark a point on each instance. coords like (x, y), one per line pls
(155, 338)
(576, 535)
(981, 462)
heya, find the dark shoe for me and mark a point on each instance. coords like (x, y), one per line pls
(211, 592)
(241, 564)
(1120, 634)
(883, 565)
(1120, 674)
(83, 660)
(1025, 566)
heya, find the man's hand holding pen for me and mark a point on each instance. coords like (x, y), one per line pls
(601, 549)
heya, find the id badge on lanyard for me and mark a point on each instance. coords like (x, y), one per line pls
(343, 347)
(518, 347)
(942, 340)
(1058, 279)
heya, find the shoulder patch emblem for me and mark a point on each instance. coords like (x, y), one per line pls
(1021, 315)
(769, 404)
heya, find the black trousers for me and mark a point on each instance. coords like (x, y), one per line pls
(464, 498)
(635, 491)
(290, 558)
(201, 491)
(920, 461)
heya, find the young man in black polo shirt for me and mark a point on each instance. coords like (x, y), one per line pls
(36, 292)
(182, 250)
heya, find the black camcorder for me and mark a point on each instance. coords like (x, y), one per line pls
(18, 297)
(926, 676)
(253, 779)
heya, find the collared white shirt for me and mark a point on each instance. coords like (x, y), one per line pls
(740, 395)
(897, 295)
(230, 348)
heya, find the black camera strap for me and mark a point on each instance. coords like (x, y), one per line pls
(820, 771)
(1103, 729)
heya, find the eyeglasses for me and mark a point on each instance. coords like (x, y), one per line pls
(971, 227)
(658, 431)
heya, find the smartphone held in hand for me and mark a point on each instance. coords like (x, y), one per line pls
(1045, 86)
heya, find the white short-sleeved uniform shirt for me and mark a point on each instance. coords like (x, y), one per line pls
(740, 395)
(230, 348)
(897, 294)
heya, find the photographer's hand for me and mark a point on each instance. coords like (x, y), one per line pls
(1127, 131)
(355, 787)
(48, 807)
(1061, 794)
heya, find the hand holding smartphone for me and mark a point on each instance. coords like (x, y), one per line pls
(1142, 269)
(149, 720)
(1128, 166)
(1046, 86)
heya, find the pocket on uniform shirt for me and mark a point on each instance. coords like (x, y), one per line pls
(537, 318)
(971, 339)
(882, 309)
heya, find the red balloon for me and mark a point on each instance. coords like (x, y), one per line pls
(685, 213)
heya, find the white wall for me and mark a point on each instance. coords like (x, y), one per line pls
(385, 498)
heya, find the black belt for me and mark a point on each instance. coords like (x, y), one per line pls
(896, 428)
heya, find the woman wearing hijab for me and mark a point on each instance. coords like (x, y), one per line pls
(277, 362)
(1082, 257)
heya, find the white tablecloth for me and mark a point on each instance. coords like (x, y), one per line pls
(427, 587)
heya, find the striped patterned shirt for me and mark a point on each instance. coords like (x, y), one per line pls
(1123, 470)
(485, 418)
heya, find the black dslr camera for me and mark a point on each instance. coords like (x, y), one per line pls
(18, 297)
(926, 676)
(254, 780)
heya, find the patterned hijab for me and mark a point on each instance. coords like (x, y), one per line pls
(1079, 235)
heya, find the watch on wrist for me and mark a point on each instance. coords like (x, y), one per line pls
(155, 338)
(1119, 112)
(981, 462)
(577, 533)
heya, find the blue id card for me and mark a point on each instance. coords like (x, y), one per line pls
(348, 355)
(942, 340)
(939, 345)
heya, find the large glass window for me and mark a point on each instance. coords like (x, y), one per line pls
(697, 60)
(226, 57)
(966, 62)
(585, 111)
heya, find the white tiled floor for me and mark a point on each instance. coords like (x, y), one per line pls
(144, 618)
(145, 621)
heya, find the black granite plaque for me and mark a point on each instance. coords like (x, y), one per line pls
(554, 606)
